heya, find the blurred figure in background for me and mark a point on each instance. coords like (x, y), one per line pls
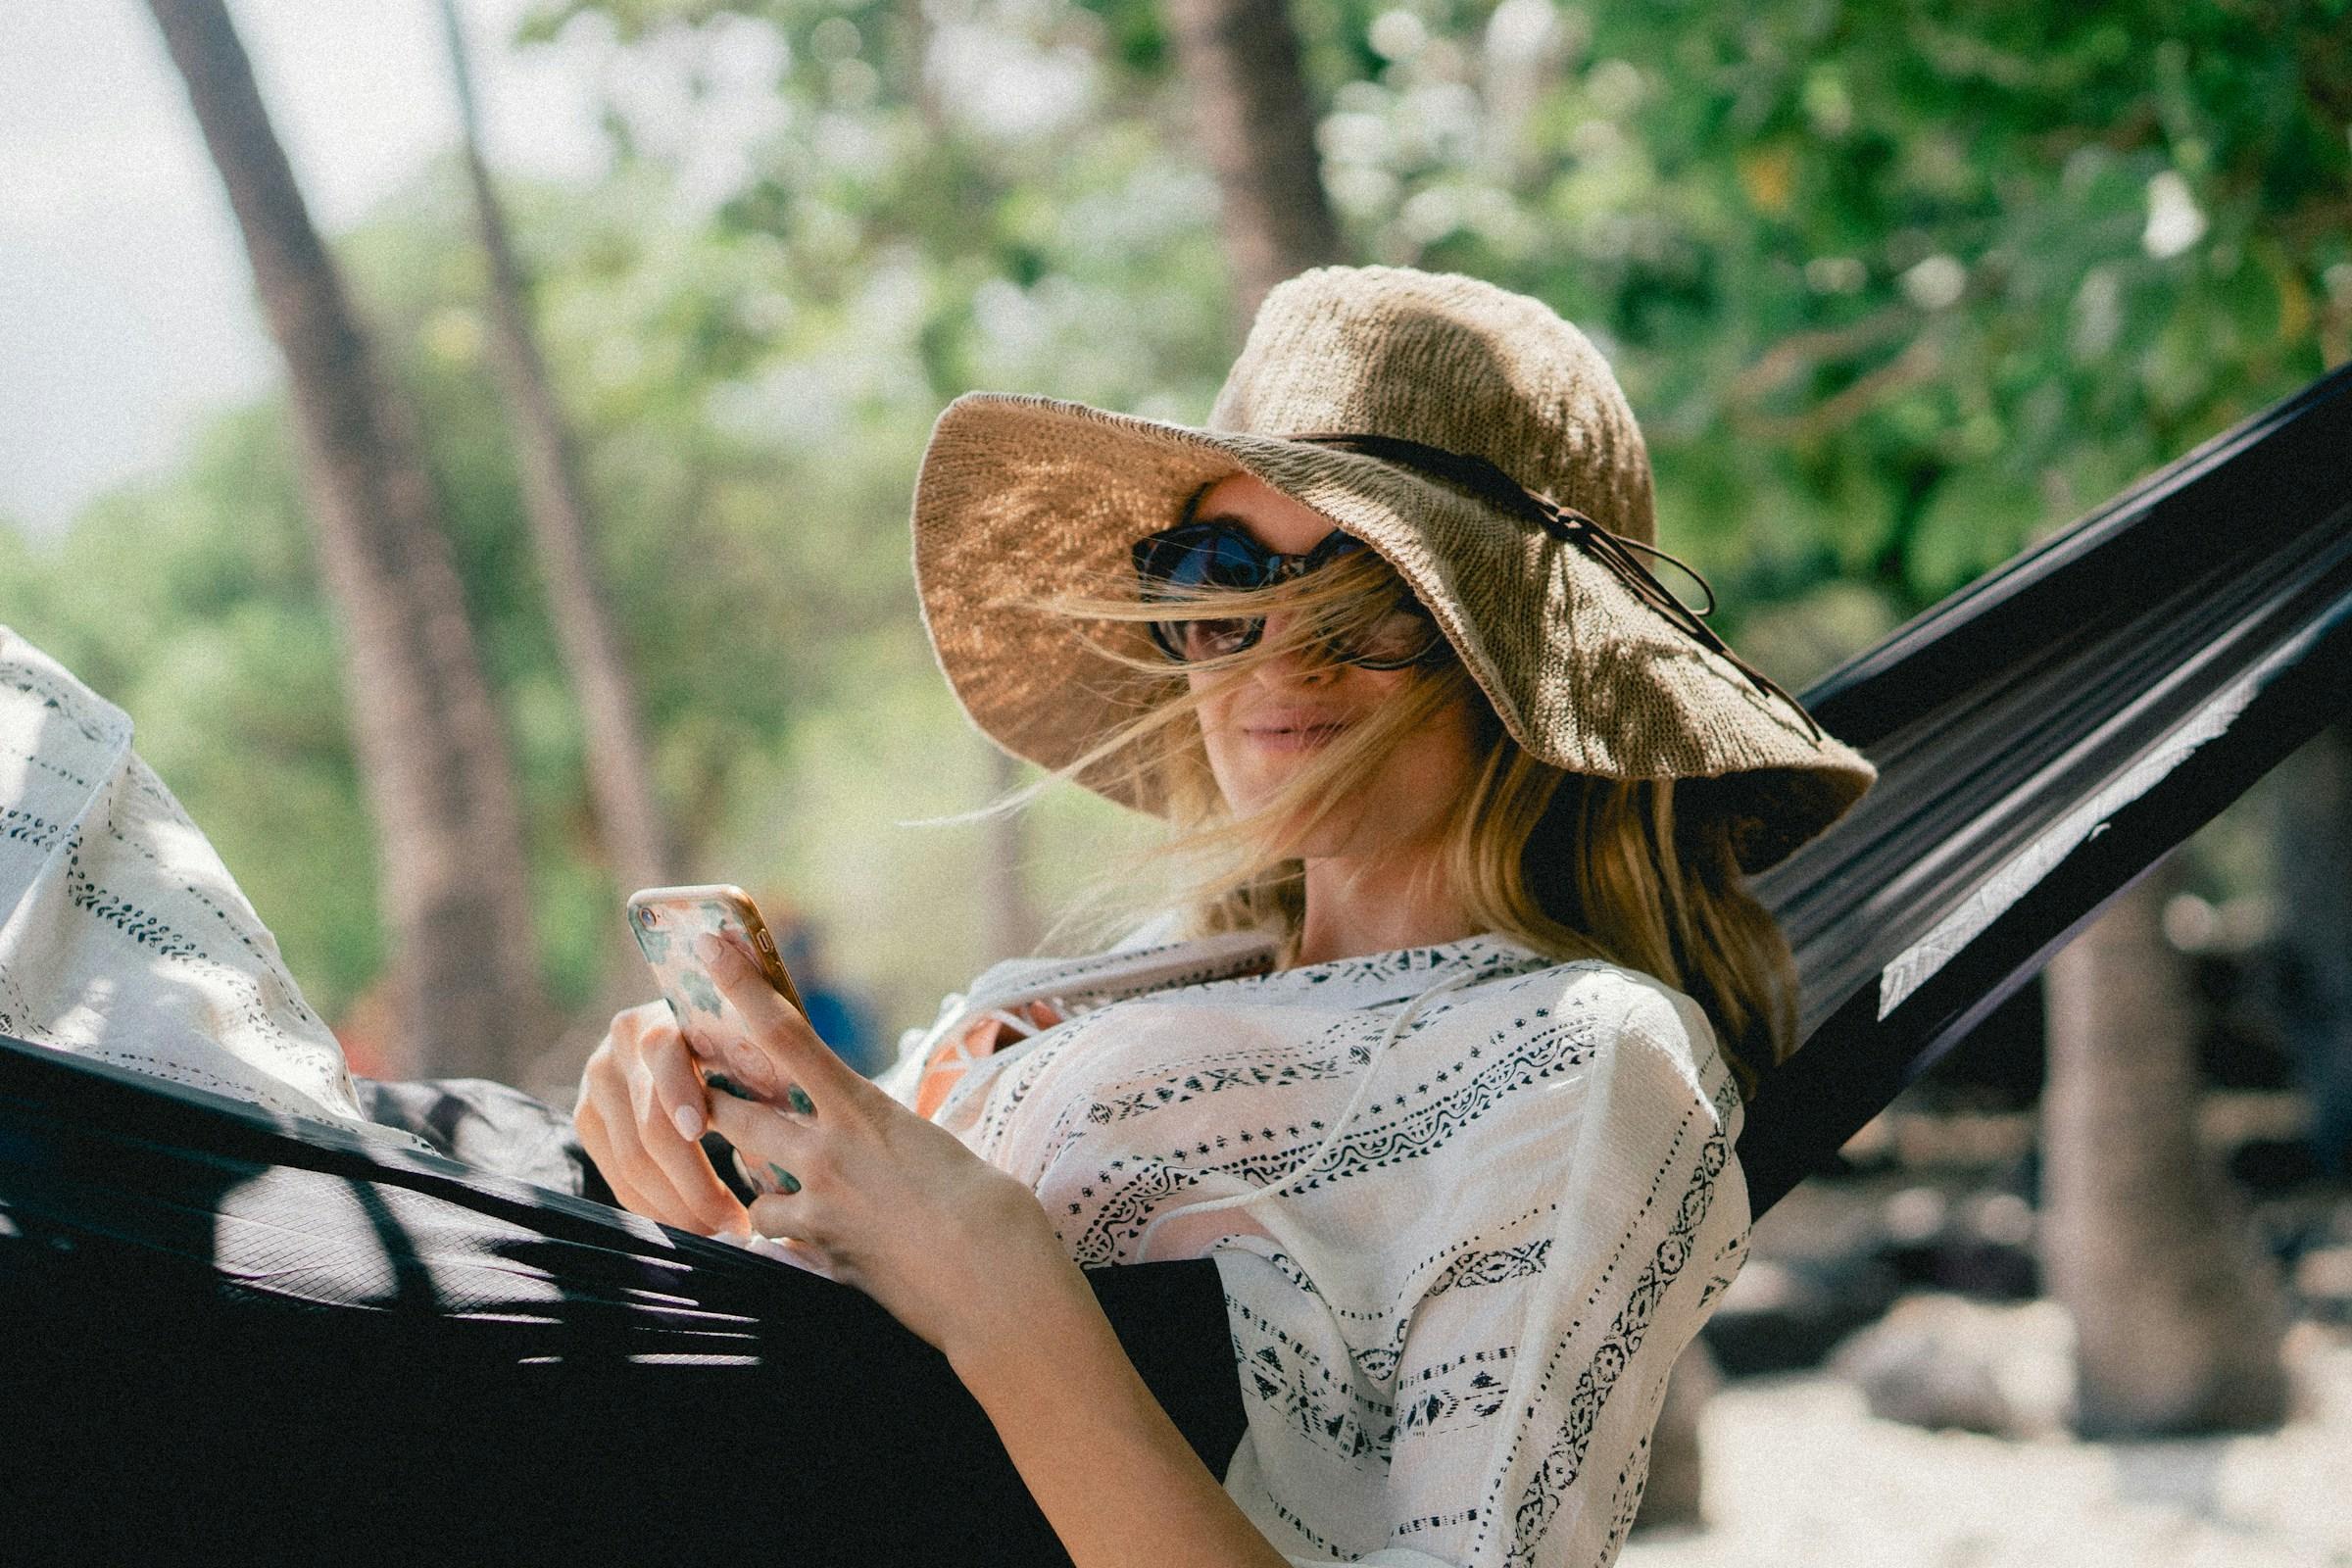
(841, 1018)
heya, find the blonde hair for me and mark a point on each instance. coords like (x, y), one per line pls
(1574, 867)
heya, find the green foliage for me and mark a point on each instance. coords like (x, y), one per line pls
(1916, 253)
(1894, 289)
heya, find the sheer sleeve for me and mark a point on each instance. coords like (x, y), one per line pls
(1533, 1364)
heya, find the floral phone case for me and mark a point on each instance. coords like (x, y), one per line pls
(666, 922)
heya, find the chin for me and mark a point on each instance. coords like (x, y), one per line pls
(1328, 837)
(1346, 834)
(1378, 821)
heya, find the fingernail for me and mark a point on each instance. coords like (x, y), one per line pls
(798, 1100)
(690, 1122)
(784, 1178)
(726, 1085)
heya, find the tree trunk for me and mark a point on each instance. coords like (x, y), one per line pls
(1675, 1496)
(1258, 125)
(2312, 828)
(2178, 1314)
(637, 842)
(439, 779)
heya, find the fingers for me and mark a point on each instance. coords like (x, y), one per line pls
(776, 1216)
(779, 1148)
(637, 1144)
(676, 1087)
(620, 1173)
(784, 1155)
(686, 1169)
(775, 1025)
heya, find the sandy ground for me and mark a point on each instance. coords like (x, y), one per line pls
(1800, 1475)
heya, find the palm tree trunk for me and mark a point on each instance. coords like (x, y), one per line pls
(2178, 1314)
(1675, 1496)
(1258, 125)
(431, 745)
(2312, 836)
(636, 839)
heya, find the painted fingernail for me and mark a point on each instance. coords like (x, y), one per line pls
(690, 1122)
(727, 1086)
(784, 1178)
(798, 1100)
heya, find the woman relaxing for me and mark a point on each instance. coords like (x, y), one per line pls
(1437, 1058)
(1440, 1058)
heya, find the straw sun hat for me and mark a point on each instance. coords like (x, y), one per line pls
(1469, 435)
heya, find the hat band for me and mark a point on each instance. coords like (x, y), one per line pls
(1615, 550)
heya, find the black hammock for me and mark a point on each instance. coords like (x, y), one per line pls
(229, 1330)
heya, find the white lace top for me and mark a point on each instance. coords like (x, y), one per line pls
(1468, 1205)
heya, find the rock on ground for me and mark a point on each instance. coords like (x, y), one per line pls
(1939, 1361)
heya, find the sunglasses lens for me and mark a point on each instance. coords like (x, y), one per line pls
(1198, 558)
(1190, 560)
(1385, 639)
(1209, 639)
(1399, 637)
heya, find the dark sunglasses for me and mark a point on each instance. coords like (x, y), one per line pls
(1194, 557)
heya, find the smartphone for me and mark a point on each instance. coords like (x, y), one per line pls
(665, 922)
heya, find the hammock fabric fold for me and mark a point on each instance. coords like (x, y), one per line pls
(2043, 738)
(232, 1330)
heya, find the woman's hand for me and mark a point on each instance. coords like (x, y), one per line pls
(864, 1191)
(641, 1116)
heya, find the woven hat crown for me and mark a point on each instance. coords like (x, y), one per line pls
(1450, 362)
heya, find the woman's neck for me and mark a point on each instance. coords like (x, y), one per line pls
(1357, 906)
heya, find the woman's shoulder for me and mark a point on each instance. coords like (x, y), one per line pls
(1641, 1019)
(1601, 986)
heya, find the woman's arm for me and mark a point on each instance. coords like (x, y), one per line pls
(1112, 1475)
(870, 1194)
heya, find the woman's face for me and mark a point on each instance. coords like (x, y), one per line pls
(1260, 725)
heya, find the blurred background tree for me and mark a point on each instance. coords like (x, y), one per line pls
(630, 820)
(1893, 291)
(427, 730)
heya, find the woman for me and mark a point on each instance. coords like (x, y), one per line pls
(1439, 1057)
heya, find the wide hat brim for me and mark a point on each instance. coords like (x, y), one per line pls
(1023, 497)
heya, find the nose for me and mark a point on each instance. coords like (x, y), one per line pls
(1311, 664)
